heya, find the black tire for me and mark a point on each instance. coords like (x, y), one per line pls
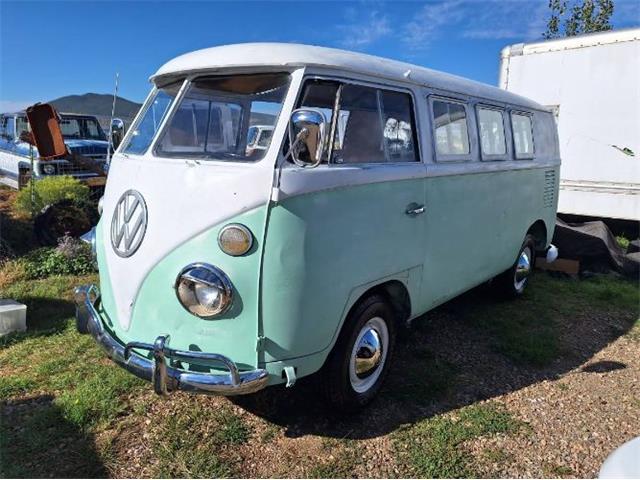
(82, 324)
(335, 377)
(506, 284)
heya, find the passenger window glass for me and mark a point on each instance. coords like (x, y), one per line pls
(522, 135)
(374, 126)
(398, 126)
(320, 95)
(362, 127)
(451, 134)
(22, 125)
(491, 126)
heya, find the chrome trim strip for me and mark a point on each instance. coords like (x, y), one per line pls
(165, 378)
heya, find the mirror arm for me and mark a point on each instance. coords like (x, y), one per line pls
(302, 134)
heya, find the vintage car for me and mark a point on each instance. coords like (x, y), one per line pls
(385, 189)
(82, 135)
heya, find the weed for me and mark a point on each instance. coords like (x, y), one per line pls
(556, 471)
(269, 433)
(14, 385)
(189, 442)
(50, 190)
(433, 447)
(496, 455)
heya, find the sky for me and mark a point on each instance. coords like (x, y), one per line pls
(56, 48)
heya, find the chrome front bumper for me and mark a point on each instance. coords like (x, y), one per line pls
(162, 369)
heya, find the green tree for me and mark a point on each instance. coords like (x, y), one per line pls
(581, 16)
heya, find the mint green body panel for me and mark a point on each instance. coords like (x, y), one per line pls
(323, 249)
(156, 310)
(475, 226)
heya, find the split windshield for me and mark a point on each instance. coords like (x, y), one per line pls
(215, 117)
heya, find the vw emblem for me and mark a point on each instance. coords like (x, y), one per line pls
(129, 223)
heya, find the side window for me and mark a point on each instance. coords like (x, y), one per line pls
(374, 126)
(522, 135)
(320, 95)
(491, 130)
(9, 132)
(451, 131)
(23, 125)
(399, 126)
(362, 128)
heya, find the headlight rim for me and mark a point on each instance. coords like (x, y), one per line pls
(227, 290)
(244, 229)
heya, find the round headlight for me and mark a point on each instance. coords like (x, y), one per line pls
(235, 239)
(100, 205)
(204, 290)
(49, 169)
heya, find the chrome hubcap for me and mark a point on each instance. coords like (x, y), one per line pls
(368, 354)
(523, 268)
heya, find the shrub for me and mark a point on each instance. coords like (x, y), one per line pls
(50, 190)
(70, 257)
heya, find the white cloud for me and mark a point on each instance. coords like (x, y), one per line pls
(7, 106)
(490, 19)
(430, 19)
(360, 33)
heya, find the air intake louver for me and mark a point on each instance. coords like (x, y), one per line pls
(549, 194)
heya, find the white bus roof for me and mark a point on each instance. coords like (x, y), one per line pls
(571, 43)
(289, 55)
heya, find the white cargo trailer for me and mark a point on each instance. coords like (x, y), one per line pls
(592, 84)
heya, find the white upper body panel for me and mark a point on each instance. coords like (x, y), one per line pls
(289, 55)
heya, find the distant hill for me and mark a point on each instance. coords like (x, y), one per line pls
(97, 104)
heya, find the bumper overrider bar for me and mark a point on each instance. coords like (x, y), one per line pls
(161, 370)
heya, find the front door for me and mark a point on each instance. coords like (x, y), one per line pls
(352, 221)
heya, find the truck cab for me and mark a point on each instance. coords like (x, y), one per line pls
(82, 135)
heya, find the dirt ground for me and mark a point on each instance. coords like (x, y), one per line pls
(544, 386)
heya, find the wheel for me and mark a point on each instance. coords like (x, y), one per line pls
(24, 175)
(512, 282)
(359, 361)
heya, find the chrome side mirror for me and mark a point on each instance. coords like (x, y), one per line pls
(306, 132)
(117, 132)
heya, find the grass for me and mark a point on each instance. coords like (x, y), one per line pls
(341, 463)
(71, 388)
(190, 443)
(527, 330)
(59, 393)
(434, 447)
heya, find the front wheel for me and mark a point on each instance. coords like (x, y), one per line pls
(359, 361)
(513, 281)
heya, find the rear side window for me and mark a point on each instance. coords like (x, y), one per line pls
(522, 135)
(491, 127)
(375, 126)
(451, 131)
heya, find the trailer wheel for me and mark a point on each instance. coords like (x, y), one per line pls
(512, 282)
(359, 361)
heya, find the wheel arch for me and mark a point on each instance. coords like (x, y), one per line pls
(539, 232)
(393, 290)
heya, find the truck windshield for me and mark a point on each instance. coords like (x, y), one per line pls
(214, 119)
(81, 128)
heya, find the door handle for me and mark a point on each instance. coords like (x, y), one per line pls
(414, 209)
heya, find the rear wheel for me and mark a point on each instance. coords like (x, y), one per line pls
(513, 281)
(359, 361)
